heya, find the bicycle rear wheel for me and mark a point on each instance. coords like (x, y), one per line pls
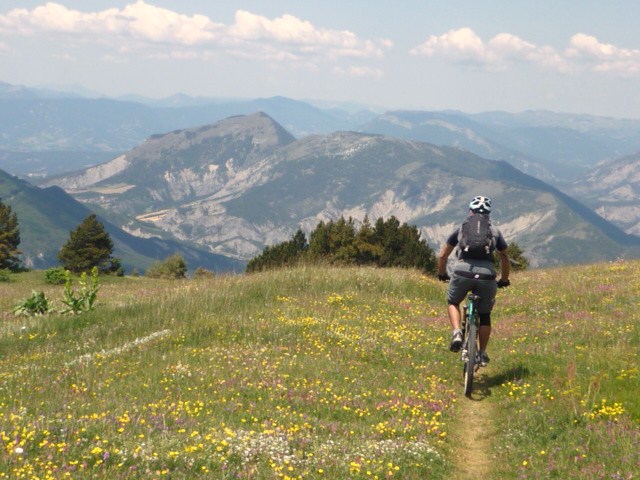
(470, 363)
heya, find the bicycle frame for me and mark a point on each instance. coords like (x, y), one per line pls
(470, 328)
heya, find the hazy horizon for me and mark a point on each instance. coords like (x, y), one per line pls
(580, 57)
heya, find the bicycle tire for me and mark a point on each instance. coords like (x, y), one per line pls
(470, 363)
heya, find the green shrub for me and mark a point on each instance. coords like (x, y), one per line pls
(173, 267)
(36, 304)
(203, 273)
(55, 276)
(5, 275)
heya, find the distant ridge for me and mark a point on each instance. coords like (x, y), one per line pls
(612, 189)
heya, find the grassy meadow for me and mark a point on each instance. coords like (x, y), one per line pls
(320, 372)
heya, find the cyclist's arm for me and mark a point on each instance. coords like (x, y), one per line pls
(505, 265)
(442, 258)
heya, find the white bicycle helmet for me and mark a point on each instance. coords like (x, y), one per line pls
(480, 204)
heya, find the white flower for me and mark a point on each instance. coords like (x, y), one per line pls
(19, 450)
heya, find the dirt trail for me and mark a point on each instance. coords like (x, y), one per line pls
(473, 439)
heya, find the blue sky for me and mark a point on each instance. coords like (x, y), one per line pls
(513, 55)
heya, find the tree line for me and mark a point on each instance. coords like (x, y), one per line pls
(387, 243)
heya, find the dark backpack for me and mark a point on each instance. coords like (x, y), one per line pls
(475, 239)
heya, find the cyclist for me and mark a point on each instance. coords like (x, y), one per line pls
(474, 274)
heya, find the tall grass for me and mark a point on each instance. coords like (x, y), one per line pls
(318, 373)
(307, 373)
(567, 380)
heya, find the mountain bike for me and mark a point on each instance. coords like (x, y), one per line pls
(470, 326)
(470, 351)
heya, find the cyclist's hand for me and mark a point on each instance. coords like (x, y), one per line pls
(444, 278)
(503, 283)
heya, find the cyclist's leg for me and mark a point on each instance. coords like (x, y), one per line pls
(487, 290)
(458, 289)
(485, 330)
(454, 315)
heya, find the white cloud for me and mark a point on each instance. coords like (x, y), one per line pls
(603, 57)
(505, 49)
(588, 46)
(144, 26)
(139, 20)
(461, 44)
(465, 46)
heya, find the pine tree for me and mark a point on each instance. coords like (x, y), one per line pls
(280, 255)
(334, 242)
(88, 246)
(319, 242)
(9, 238)
(343, 240)
(387, 236)
(401, 246)
(368, 251)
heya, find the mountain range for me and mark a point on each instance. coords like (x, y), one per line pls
(34, 121)
(556, 147)
(209, 176)
(245, 182)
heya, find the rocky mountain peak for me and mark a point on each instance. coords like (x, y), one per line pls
(197, 154)
(256, 135)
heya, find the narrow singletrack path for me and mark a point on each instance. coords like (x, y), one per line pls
(474, 435)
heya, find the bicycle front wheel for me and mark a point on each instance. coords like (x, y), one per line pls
(470, 363)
